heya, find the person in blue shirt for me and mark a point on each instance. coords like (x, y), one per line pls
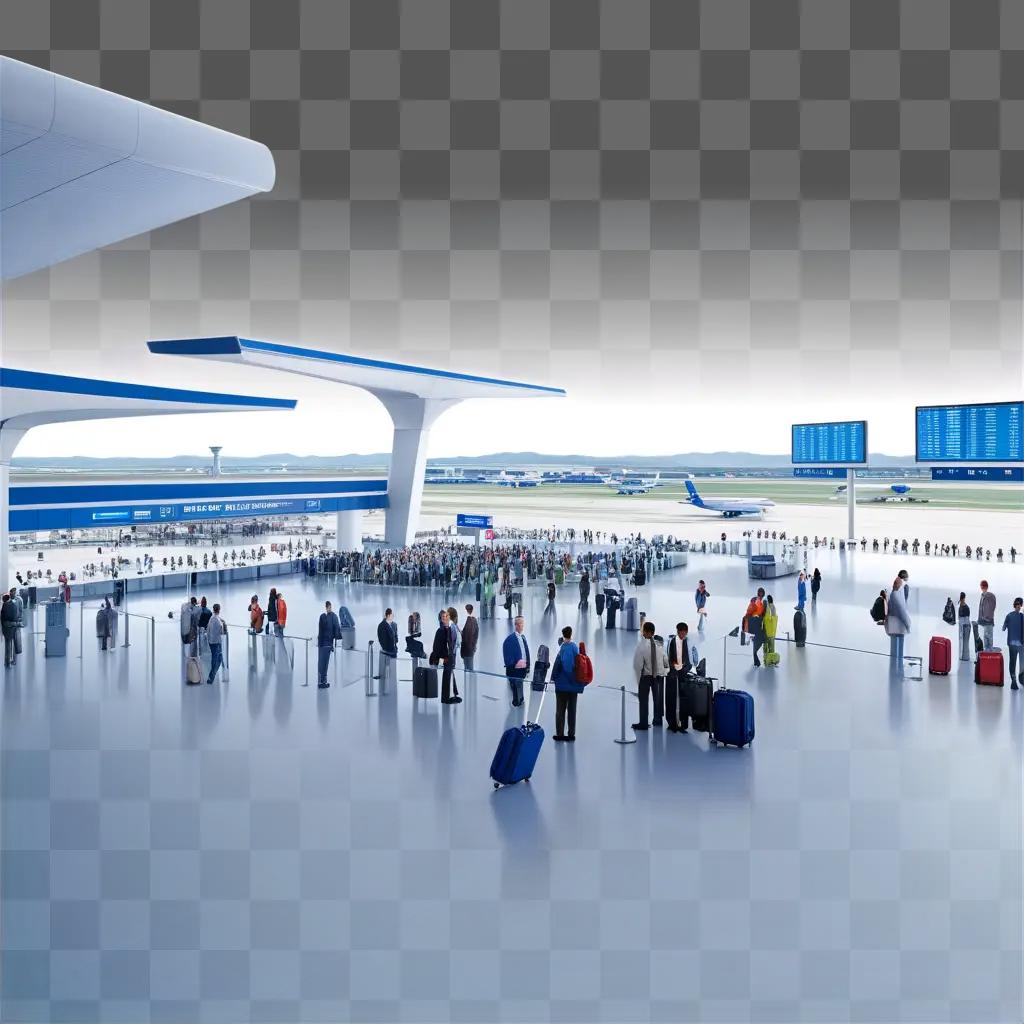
(515, 653)
(801, 591)
(700, 597)
(1013, 626)
(567, 690)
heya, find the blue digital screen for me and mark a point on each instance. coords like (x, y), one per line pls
(982, 474)
(841, 443)
(970, 433)
(819, 472)
(473, 521)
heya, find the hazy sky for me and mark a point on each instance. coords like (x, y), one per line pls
(359, 424)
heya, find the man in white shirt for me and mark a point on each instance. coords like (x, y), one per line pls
(650, 666)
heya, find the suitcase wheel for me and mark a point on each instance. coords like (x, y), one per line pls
(497, 785)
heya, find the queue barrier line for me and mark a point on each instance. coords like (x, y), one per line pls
(623, 739)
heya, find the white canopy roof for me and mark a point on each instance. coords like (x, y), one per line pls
(81, 168)
(380, 377)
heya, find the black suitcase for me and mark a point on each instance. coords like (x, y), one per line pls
(424, 682)
(695, 698)
(599, 603)
(800, 627)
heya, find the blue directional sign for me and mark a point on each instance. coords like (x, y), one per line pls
(474, 522)
(980, 474)
(819, 472)
(844, 443)
(993, 432)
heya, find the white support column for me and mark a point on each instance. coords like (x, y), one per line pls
(5, 510)
(9, 440)
(851, 502)
(349, 529)
(413, 418)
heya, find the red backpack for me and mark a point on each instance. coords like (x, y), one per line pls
(583, 669)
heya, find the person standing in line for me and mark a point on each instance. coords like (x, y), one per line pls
(897, 622)
(215, 632)
(256, 616)
(1013, 625)
(963, 619)
(272, 610)
(204, 614)
(470, 639)
(815, 584)
(650, 666)
(515, 653)
(9, 626)
(700, 598)
(585, 590)
(567, 689)
(443, 654)
(104, 626)
(387, 641)
(680, 662)
(986, 614)
(753, 623)
(19, 604)
(187, 622)
(327, 632)
(801, 591)
(282, 615)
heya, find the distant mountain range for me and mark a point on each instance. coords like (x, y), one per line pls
(381, 460)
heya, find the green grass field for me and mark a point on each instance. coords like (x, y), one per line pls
(992, 497)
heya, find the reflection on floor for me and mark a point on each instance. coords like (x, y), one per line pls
(258, 850)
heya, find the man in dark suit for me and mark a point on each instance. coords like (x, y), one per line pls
(328, 630)
(470, 638)
(679, 665)
(387, 641)
(443, 654)
(515, 653)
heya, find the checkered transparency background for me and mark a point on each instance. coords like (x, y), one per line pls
(578, 191)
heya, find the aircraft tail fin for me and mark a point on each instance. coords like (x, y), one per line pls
(692, 492)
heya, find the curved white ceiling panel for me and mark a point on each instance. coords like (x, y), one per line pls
(81, 168)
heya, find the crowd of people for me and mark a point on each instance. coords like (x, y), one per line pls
(896, 545)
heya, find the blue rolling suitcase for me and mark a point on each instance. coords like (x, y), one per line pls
(517, 752)
(732, 718)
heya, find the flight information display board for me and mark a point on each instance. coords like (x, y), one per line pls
(844, 443)
(983, 474)
(970, 433)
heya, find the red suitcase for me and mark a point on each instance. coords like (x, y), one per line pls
(940, 656)
(988, 669)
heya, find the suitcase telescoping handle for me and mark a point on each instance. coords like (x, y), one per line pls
(526, 706)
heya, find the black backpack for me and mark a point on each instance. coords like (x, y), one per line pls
(949, 612)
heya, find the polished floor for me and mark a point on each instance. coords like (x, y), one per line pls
(260, 850)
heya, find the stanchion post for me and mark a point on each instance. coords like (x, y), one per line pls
(622, 739)
(306, 683)
(81, 627)
(370, 692)
(152, 643)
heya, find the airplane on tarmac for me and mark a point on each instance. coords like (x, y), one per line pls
(517, 478)
(631, 484)
(896, 492)
(731, 508)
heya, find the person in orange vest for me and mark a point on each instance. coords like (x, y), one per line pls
(755, 623)
(282, 615)
(255, 615)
